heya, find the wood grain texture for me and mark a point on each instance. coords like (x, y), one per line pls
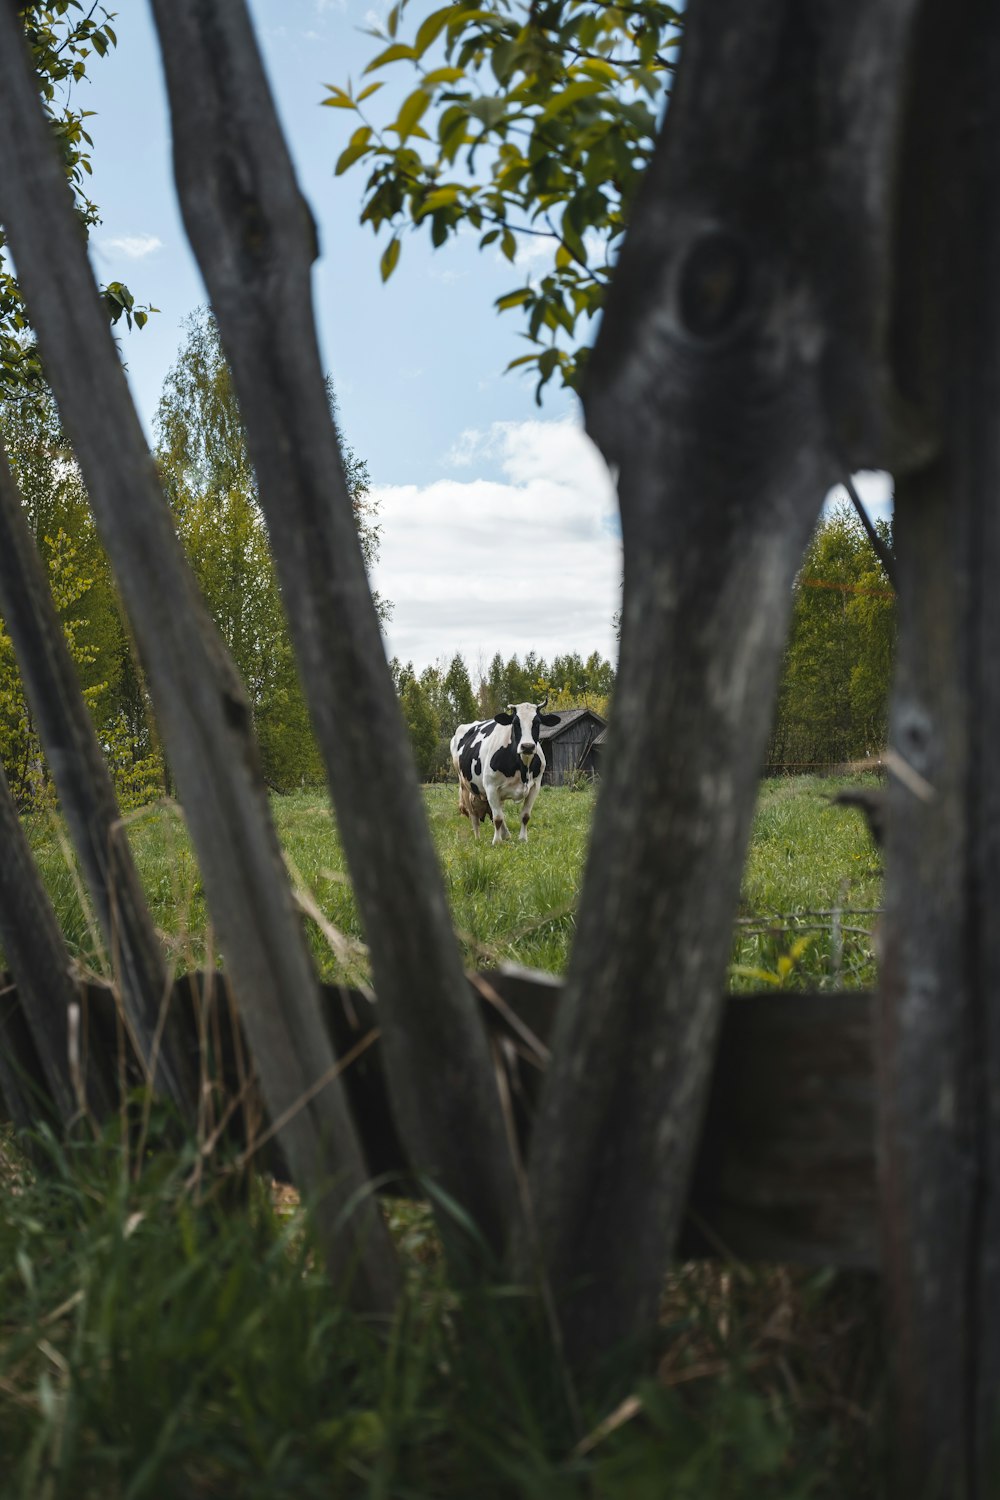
(255, 241)
(785, 1166)
(739, 369)
(939, 1013)
(201, 708)
(88, 800)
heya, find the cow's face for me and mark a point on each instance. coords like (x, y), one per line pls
(526, 724)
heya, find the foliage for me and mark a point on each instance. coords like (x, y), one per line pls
(440, 699)
(569, 682)
(210, 484)
(420, 702)
(531, 124)
(833, 699)
(460, 703)
(62, 36)
(56, 510)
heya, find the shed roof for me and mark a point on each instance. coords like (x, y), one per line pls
(568, 716)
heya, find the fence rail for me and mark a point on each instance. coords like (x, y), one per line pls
(786, 1166)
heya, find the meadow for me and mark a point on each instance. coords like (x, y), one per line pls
(159, 1341)
(808, 861)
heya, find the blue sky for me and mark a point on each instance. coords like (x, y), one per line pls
(499, 522)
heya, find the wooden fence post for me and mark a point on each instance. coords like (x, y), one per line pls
(201, 706)
(939, 1021)
(37, 955)
(255, 241)
(739, 370)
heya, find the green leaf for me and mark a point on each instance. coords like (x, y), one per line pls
(522, 359)
(410, 114)
(431, 28)
(338, 98)
(508, 244)
(398, 52)
(604, 72)
(390, 258)
(368, 90)
(357, 148)
(441, 197)
(514, 299)
(571, 95)
(441, 75)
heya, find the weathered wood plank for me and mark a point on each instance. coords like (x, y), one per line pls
(34, 949)
(202, 711)
(255, 241)
(739, 369)
(88, 800)
(785, 1169)
(939, 1015)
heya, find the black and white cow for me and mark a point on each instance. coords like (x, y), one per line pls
(500, 760)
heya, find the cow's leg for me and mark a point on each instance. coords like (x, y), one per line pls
(529, 803)
(500, 831)
(474, 820)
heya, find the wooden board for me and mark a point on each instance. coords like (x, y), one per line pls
(785, 1169)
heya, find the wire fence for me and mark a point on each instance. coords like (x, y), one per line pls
(873, 764)
(786, 949)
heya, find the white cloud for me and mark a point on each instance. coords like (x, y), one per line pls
(531, 562)
(135, 246)
(468, 446)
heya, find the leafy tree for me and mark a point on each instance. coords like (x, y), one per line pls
(417, 701)
(461, 704)
(210, 484)
(530, 123)
(58, 515)
(833, 700)
(494, 689)
(20, 747)
(62, 35)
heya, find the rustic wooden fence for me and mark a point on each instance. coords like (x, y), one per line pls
(808, 287)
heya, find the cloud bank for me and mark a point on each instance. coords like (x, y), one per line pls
(527, 562)
(530, 561)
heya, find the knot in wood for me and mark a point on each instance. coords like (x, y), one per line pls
(713, 285)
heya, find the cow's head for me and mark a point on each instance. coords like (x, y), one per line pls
(526, 720)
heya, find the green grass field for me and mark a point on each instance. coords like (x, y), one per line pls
(159, 1341)
(517, 902)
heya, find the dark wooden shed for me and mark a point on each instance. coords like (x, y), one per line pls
(568, 744)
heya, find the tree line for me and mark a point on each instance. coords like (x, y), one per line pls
(442, 696)
(833, 699)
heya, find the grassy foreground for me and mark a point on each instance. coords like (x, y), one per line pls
(154, 1346)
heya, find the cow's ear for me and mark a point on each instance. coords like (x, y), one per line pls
(504, 718)
(548, 719)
